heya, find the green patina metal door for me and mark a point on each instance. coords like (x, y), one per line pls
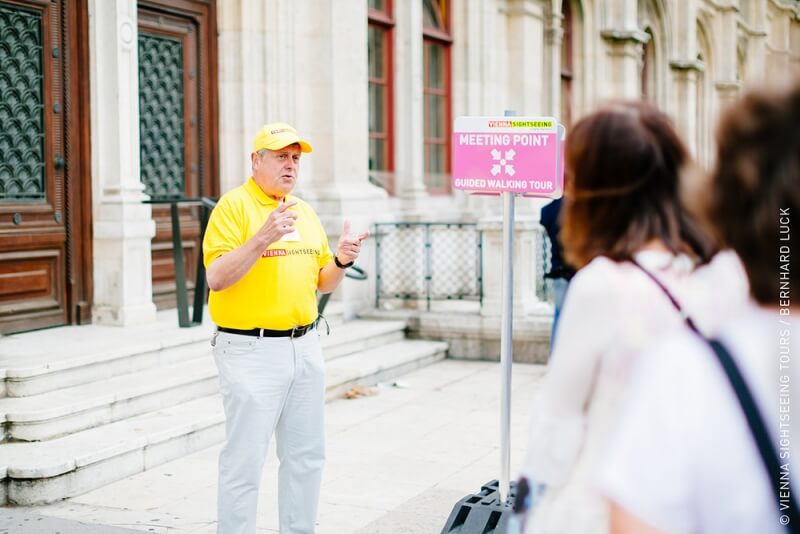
(177, 125)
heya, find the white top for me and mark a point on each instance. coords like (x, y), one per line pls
(611, 314)
(684, 459)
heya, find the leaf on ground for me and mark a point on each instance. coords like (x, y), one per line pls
(359, 391)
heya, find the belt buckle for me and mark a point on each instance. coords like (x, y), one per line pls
(296, 332)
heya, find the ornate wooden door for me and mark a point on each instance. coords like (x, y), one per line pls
(177, 125)
(45, 209)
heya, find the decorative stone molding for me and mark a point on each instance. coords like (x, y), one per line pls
(723, 7)
(527, 233)
(690, 65)
(749, 31)
(554, 36)
(625, 36)
(789, 6)
(525, 8)
(728, 86)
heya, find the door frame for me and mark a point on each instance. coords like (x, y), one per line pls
(79, 171)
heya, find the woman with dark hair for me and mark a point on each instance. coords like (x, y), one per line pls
(623, 225)
(685, 458)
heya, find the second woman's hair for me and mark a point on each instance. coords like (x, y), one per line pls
(624, 164)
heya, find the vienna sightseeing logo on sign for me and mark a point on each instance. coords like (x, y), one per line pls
(508, 154)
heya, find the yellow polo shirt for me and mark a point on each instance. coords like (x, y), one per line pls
(279, 291)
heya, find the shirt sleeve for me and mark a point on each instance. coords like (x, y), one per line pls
(224, 231)
(647, 470)
(558, 411)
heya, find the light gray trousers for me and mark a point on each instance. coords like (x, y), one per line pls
(271, 385)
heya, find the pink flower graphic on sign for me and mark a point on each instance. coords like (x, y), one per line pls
(503, 162)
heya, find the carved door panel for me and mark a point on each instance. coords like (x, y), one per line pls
(177, 127)
(45, 214)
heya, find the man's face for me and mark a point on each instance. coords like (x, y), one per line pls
(276, 171)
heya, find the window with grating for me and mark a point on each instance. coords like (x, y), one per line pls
(161, 121)
(22, 128)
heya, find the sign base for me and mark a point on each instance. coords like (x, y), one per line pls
(482, 512)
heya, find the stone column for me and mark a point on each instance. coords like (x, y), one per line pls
(782, 42)
(624, 42)
(123, 226)
(525, 58)
(685, 74)
(409, 104)
(685, 90)
(244, 101)
(527, 257)
(553, 38)
(331, 102)
(726, 79)
(755, 26)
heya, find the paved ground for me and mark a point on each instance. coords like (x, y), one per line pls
(397, 463)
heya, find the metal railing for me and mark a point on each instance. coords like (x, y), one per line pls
(544, 286)
(428, 261)
(181, 291)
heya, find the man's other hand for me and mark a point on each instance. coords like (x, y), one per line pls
(349, 245)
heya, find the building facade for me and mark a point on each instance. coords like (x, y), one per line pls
(106, 104)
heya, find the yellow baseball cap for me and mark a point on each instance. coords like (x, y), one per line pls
(278, 135)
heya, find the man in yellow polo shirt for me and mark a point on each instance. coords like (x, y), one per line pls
(266, 255)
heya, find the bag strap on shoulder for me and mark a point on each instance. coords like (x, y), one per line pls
(790, 512)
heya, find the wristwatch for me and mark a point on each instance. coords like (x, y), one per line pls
(342, 265)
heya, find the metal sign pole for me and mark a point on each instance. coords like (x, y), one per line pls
(505, 341)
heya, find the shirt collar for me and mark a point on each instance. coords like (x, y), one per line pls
(263, 198)
(664, 259)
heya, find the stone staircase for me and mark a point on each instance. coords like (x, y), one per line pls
(84, 406)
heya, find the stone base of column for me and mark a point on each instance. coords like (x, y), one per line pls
(362, 204)
(527, 256)
(124, 315)
(123, 292)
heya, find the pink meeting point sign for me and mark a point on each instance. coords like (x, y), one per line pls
(508, 154)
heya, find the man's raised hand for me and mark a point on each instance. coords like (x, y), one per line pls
(349, 245)
(279, 223)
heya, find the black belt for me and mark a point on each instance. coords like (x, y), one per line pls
(297, 331)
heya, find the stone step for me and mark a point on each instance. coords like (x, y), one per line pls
(67, 410)
(46, 471)
(380, 364)
(48, 360)
(354, 336)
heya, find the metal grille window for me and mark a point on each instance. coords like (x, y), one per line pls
(428, 261)
(161, 127)
(22, 166)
